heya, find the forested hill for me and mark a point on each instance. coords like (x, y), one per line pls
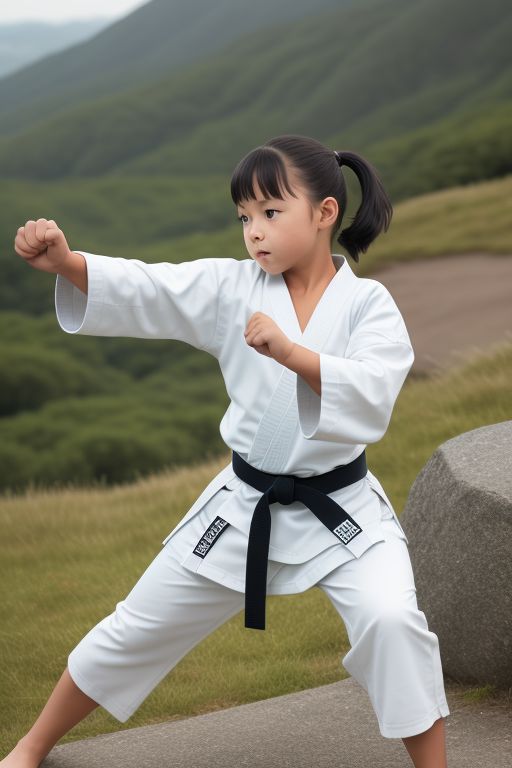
(401, 81)
(156, 40)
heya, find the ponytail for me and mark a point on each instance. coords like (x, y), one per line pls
(375, 211)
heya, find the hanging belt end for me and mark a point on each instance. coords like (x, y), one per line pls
(253, 625)
(255, 617)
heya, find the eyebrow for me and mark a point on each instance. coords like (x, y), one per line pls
(264, 200)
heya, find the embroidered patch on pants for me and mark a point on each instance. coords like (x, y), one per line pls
(347, 530)
(210, 536)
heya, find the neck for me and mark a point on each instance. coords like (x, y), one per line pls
(312, 276)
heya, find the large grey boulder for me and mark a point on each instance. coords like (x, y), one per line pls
(458, 519)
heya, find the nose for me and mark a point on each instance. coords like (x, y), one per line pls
(255, 231)
(255, 234)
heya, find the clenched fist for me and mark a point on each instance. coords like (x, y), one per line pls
(43, 245)
(267, 338)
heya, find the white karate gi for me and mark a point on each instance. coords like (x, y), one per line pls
(277, 423)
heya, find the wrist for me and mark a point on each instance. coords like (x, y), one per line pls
(69, 264)
(74, 269)
(70, 261)
(289, 355)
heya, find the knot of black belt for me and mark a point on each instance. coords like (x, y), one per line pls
(285, 489)
(282, 490)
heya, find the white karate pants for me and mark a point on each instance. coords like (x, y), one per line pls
(170, 609)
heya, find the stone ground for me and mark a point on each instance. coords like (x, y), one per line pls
(333, 726)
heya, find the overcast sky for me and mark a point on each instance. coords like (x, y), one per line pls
(63, 10)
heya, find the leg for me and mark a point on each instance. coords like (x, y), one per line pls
(66, 707)
(428, 749)
(121, 659)
(393, 655)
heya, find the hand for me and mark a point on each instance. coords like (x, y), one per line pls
(267, 338)
(42, 245)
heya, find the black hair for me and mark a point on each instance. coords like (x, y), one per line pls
(319, 170)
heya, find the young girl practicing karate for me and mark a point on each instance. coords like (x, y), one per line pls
(313, 358)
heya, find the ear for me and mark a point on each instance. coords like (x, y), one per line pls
(328, 210)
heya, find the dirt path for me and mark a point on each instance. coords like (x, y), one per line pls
(453, 306)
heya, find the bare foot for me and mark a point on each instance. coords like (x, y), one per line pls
(21, 757)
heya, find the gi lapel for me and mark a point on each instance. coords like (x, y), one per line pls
(278, 426)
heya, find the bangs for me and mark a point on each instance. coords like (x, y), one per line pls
(270, 171)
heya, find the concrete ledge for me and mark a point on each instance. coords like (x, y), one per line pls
(332, 726)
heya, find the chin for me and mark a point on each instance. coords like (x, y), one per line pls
(271, 270)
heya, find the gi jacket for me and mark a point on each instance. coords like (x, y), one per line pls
(275, 421)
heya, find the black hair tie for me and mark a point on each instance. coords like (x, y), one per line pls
(338, 158)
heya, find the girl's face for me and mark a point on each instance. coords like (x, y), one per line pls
(287, 230)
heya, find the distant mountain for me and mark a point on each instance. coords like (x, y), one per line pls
(24, 43)
(151, 43)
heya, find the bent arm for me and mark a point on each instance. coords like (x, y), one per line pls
(357, 396)
(358, 390)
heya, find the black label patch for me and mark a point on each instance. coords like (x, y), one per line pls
(347, 530)
(210, 536)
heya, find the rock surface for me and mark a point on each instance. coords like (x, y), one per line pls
(458, 519)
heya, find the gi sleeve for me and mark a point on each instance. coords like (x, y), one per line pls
(128, 297)
(359, 390)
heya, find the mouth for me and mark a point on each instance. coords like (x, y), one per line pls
(262, 254)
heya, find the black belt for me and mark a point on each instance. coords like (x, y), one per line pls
(285, 489)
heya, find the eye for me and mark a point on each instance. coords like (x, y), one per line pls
(267, 210)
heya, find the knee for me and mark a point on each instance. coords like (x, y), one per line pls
(390, 617)
(393, 616)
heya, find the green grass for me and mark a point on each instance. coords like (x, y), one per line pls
(482, 693)
(68, 556)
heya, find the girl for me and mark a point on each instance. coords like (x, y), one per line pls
(313, 358)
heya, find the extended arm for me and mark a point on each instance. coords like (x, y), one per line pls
(128, 297)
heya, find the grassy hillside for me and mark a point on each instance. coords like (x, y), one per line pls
(69, 556)
(100, 409)
(372, 72)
